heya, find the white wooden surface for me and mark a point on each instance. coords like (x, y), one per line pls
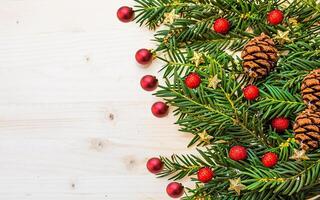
(74, 122)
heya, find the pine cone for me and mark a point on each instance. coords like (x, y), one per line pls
(259, 56)
(310, 89)
(307, 129)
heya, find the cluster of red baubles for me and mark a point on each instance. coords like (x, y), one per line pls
(144, 57)
(192, 81)
(206, 174)
(279, 124)
(238, 153)
(175, 189)
(222, 25)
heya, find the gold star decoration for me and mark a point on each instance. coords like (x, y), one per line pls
(293, 22)
(299, 155)
(284, 53)
(170, 17)
(235, 184)
(249, 29)
(197, 59)
(205, 137)
(282, 37)
(213, 81)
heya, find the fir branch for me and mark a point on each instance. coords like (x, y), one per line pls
(286, 178)
(222, 112)
(206, 115)
(194, 28)
(277, 102)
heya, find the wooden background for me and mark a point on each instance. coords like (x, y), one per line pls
(74, 122)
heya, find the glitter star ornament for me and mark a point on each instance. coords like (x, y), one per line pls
(249, 30)
(205, 137)
(293, 22)
(213, 82)
(282, 37)
(170, 17)
(197, 59)
(299, 155)
(235, 184)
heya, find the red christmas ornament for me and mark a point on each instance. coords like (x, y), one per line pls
(193, 80)
(275, 17)
(125, 14)
(221, 26)
(280, 124)
(159, 109)
(205, 174)
(144, 56)
(251, 92)
(238, 153)
(269, 159)
(154, 165)
(149, 82)
(175, 190)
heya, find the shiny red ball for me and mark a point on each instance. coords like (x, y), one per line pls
(205, 174)
(275, 17)
(175, 190)
(280, 124)
(221, 25)
(144, 56)
(160, 109)
(154, 165)
(251, 92)
(238, 153)
(193, 80)
(125, 14)
(269, 159)
(149, 83)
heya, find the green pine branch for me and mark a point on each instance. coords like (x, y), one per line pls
(277, 102)
(288, 179)
(193, 29)
(222, 113)
(217, 110)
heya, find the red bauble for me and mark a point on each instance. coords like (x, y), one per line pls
(205, 174)
(154, 165)
(251, 92)
(269, 159)
(175, 190)
(149, 82)
(280, 124)
(275, 17)
(193, 80)
(125, 14)
(221, 26)
(159, 109)
(144, 56)
(238, 153)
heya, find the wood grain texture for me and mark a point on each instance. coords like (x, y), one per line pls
(74, 122)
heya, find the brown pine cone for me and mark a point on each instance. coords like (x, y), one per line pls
(307, 129)
(259, 56)
(310, 89)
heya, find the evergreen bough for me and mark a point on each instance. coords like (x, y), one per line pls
(223, 112)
